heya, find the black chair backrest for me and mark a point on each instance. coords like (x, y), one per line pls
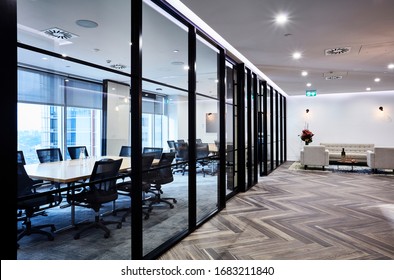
(153, 151)
(75, 151)
(182, 151)
(125, 151)
(181, 141)
(105, 169)
(49, 155)
(146, 164)
(26, 187)
(198, 141)
(202, 150)
(171, 144)
(164, 173)
(25, 183)
(20, 158)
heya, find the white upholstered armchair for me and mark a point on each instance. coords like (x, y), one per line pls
(381, 158)
(314, 155)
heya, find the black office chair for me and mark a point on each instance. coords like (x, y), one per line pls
(32, 205)
(124, 187)
(153, 151)
(181, 157)
(125, 151)
(171, 145)
(198, 141)
(49, 155)
(20, 158)
(159, 176)
(202, 153)
(76, 151)
(100, 189)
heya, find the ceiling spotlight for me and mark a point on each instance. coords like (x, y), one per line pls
(281, 19)
(304, 73)
(377, 80)
(390, 66)
(368, 89)
(297, 55)
(308, 84)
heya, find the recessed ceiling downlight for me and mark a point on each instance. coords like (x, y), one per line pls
(177, 63)
(337, 51)
(86, 23)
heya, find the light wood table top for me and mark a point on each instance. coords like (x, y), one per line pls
(69, 171)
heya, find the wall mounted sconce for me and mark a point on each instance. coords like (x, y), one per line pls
(307, 111)
(381, 108)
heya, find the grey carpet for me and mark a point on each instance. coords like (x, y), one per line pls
(162, 224)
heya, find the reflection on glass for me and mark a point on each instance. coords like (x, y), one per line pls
(206, 152)
(206, 68)
(164, 61)
(165, 55)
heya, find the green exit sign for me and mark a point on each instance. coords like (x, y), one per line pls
(311, 92)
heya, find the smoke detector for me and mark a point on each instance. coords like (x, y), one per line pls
(337, 51)
(59, 33)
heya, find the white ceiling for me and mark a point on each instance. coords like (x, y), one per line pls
(367, 26)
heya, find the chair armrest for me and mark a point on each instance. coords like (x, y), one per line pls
(371, 159)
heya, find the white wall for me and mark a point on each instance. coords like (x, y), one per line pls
(340, 118)
(118, 117)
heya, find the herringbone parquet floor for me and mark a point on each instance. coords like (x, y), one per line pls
(300, 215)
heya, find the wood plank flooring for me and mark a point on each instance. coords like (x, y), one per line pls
(300, 215)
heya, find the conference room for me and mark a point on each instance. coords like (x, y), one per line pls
(75, 102)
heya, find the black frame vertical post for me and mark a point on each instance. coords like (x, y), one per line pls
(277, 126)
(255, 128)
(248, 128)
(265, 130)
(8, 114)
(192, 127)
(136, 129)
(222, 130)
(241, 182)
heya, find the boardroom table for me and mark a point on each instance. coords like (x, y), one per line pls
(68, 172)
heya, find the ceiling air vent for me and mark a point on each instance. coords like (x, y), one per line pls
(329, 76)
(337, 51)
(118, 66)
(59, 33)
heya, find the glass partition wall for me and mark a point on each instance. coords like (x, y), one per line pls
(88, 81)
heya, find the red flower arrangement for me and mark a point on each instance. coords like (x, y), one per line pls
(306, 136)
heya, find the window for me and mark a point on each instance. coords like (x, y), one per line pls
(55, 111)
